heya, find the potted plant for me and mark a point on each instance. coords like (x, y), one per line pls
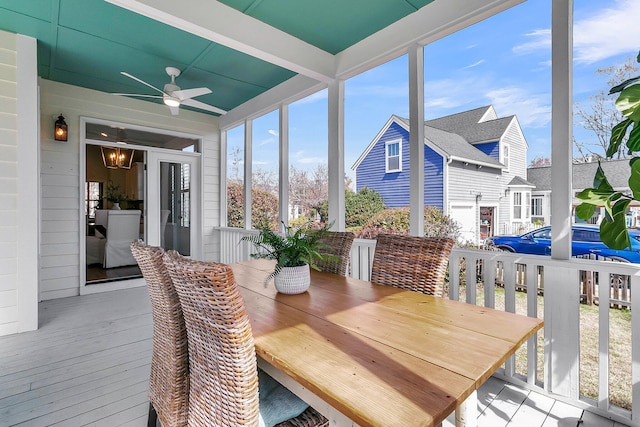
(613, 228)
(114, 195)
(295, 252)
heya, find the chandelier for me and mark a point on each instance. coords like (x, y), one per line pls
(116, 157)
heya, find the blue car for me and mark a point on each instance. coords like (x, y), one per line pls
(585, 241)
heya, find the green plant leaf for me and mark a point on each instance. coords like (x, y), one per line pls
(600, 180)
(634, 138)
(617, 136)
(613, 229)
(585, 210)
(634, 178)
(595, 196)
(623, 85)
(629, 101)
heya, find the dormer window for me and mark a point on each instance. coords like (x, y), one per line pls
(393, 155)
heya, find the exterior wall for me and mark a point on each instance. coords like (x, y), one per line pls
(491, 149)
(394, 187)
(467, 181)
(61, 174)
(18, 184)
(517, 150)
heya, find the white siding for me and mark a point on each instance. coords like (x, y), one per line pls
(517, 150)
(61, 174)
(465, 181)
(18, 184)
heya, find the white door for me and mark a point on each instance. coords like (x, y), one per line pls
(465, 216)
(173, 202)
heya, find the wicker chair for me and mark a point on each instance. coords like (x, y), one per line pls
(413, 263)
(222, 359)
(169, 380)
(336, 244)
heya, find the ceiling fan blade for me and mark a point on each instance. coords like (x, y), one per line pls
(203, 106)
(138, 95)
(141, 81)
(191, 93)
(174, 110)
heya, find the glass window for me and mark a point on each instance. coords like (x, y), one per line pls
(586, 236)
(517, 205)
(393, 156)
(92, 198)
(124, 135)
(235, 177)
(536, 206)
(542, 234)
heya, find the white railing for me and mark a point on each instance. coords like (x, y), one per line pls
(501, 280)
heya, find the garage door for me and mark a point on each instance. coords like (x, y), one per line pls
(465, 216)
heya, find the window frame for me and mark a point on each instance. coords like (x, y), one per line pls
(387, 156)
(506, 155)
(536, 202)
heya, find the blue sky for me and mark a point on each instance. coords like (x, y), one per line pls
(503, 61)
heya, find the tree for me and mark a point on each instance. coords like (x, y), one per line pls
(624, 136)
(601, 115)
(540, 161)
(264, 208)
(361, 206)
(308, 188)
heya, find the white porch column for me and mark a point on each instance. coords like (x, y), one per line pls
(561, 308)
(223, 178)
(335, 165)
(416, 140)
(248, 172)
(283, 175)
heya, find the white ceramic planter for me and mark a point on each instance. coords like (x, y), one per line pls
(293, 280)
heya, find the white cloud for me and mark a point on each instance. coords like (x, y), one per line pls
(604, 33)
(272, 132)
(539, 39)
(611, 31)
(313, 98)
(475, 64)
(532, 110)
(266, 141)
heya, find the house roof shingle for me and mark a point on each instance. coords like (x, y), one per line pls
(468, 125)
(454, 145)
(617, 172)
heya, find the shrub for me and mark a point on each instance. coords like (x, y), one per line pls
(359, 207)
(396, 221)
(264, 209)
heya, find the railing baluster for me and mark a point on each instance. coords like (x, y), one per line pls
(517, 271)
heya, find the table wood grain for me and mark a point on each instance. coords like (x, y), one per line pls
(380, 355)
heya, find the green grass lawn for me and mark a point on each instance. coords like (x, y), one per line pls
(619, 347)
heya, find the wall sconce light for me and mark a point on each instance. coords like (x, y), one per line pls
(60, 129)
(117, 158)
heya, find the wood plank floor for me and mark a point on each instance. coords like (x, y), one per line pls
(88, 365)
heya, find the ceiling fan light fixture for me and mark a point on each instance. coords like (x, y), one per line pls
(171, 101)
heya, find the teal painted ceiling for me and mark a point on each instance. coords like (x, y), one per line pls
(88, 43)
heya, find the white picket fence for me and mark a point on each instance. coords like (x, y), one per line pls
(506, 274)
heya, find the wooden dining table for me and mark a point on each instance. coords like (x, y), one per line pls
(371, 355)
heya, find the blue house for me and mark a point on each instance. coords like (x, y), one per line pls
(474, 169)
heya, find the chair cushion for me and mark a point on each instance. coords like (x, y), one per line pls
(277, 403)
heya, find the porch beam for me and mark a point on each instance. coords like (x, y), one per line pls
(283, 174)
(287, 92)
(416, 140)
(219, 23)
(335, 166)
(248, 172)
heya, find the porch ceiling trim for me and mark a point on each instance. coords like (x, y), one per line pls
(224, 25)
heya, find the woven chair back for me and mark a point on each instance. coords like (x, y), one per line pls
(169, 379)
(224, 380)
(413, 263)
(336, 244)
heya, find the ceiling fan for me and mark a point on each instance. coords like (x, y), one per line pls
(173, 96)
